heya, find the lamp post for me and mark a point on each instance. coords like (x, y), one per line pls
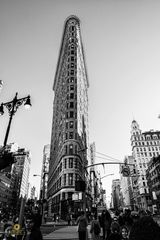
(42, 194)
(12, 107)
(7, 158)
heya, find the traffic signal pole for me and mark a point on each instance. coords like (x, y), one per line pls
(121, 163)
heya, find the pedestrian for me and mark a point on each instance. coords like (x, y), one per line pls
(124, 233)
(32, 229)
(105, 222)
(82, 226)
(115, 231)
(95, 229)
(69, 219)
(145, 229)
(8, 234)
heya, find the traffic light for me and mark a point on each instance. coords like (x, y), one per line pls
(6, 159)
(80, 186)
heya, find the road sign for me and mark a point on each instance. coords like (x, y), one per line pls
(126, 172)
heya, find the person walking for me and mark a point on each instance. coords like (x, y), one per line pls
(105, 222)
(69, 219)
(82, 226)
(95, 229)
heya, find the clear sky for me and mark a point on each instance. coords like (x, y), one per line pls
(121, 41)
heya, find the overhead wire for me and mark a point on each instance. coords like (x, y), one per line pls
(115, 159)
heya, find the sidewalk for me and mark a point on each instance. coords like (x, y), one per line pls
(65, 233)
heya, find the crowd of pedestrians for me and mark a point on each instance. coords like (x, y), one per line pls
(124, 226)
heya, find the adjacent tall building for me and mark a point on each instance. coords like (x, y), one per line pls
(14, 179)
(145, 146)
(44, 172)
(70, 136)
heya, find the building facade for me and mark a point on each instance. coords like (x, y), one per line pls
(116, 202)
(129, 185)
(44, 172)
(145, 146)
(69, 134)
(153, 178)
(15, 178)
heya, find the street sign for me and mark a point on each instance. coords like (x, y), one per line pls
(77, 196)
(125, 171)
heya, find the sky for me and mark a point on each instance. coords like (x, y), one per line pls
(121, 40)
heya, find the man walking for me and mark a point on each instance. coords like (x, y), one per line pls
(82, 226)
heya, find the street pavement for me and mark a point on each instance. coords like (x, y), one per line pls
(65, 233)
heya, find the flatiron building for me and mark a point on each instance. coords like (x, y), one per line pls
(69, 134)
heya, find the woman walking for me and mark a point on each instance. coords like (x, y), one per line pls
(95, 229)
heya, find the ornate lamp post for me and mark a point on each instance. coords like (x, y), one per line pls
(12, 107)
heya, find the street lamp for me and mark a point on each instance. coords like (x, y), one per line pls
(42, 193)
(12, 107)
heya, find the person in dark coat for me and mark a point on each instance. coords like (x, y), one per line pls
(145, 229)
(32, 229)
(105, 221)
(95, 228)
(82, 226)
(115, 231)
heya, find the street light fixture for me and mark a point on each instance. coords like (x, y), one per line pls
(12, 107)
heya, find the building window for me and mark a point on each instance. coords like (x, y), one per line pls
(72, 58)
(60, 182)
(66, 136)
(70, 179)
(76, 163)
(66, 149)
(71, 124)
(71, 105)
(71, 149)
(73, 28)
(73, 65)
(70, 162)
(76, 177)
(70, 135)
(71, 87)
(71, 114)
(71, 95)
(65, 163)
(76, 149)
(71, 79)
(72, 46)
(72, 72)
(64, 179)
